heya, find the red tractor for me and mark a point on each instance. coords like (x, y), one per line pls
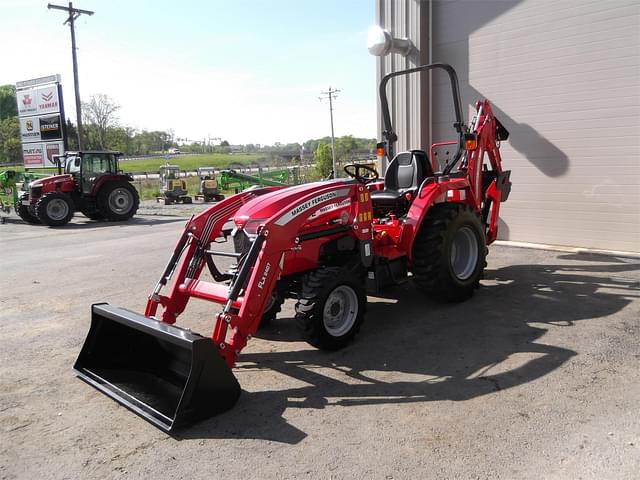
(324, 244)
(91, 183)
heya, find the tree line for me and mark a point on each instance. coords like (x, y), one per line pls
(102, 131)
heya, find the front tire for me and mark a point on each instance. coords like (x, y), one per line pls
(331, 307)
(449, 253)
(55, 209)
(118, 201)
(271, 310)
(24, 213)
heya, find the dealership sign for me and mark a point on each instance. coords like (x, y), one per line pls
(41, 116)
(38, 101)
(41, 154)
(36, 129)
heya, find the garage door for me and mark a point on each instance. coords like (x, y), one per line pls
(564, 78)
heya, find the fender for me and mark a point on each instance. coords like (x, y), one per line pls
(431, 192)
(102, 179)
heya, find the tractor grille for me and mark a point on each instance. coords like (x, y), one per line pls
(35, 192)
(241, 241)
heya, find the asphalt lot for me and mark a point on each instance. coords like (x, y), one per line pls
(537, 376)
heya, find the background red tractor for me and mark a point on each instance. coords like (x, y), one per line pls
(91, 183)
(324, 244)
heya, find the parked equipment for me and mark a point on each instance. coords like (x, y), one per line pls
(209, 191)
(323, 244)
(234, 180)
(92, 183)
(8, 192)
(173, 188)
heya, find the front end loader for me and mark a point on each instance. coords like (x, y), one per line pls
(325, 244)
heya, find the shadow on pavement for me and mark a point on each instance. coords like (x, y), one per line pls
(411, 350)
(137, 220)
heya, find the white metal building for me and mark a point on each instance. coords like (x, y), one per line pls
(563, 77)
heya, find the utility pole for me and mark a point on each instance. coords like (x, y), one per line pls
(74, 13)
(331, 94)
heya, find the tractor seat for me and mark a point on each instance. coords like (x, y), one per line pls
(404, 174)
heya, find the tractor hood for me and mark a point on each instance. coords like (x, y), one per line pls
(48, 180)
(259, 209)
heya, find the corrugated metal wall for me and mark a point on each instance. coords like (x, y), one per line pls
(408, 96)
(564, 78)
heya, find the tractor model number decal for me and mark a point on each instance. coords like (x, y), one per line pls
(298, 209)
(264, 276)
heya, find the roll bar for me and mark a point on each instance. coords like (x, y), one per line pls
(389, 134)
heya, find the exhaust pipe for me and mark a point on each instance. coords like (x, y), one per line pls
(167, 375)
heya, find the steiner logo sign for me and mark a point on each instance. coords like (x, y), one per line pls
(50, 128)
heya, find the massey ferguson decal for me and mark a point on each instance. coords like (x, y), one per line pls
(309, 204)
(26, 104)
(332, 206)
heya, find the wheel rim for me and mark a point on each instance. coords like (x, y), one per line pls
(464, 253)
(57, 209)
(340, 311)
(120, 200)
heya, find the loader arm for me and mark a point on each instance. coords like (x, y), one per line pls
(243, 301)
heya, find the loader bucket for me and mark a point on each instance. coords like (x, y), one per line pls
(169, 376)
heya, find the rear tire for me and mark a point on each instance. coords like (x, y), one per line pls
(118, 201)
(55, 209)
(331, 307)
(449, 253)
(23, 212)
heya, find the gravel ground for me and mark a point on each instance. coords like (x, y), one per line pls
(535, 377)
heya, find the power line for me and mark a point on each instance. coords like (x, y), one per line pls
(74, 13)
(331, 94)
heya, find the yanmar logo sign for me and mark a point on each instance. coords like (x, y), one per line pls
(48, 101)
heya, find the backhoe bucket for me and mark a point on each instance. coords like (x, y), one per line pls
(169, 376)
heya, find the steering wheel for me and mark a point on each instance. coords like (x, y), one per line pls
(354, 169)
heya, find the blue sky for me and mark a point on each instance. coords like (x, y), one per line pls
(248, 71)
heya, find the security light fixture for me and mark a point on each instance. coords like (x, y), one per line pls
(380, 43)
